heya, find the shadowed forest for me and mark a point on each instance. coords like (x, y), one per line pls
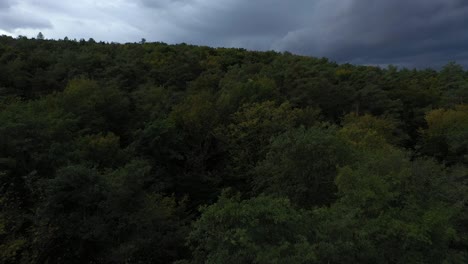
(156, 153)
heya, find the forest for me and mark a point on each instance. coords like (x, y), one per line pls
(156, 153)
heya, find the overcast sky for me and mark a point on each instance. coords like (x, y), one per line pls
(421, 33)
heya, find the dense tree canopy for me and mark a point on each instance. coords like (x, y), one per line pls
(155, 153)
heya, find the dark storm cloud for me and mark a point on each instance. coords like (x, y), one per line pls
(412, 33)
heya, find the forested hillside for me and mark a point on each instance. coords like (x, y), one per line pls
(156, 153)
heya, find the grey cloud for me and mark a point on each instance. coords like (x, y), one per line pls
(10, 22)
(253, 18)
(4, 4)
(162, 3)
(411, 33)
(13, 18)
(245, 23)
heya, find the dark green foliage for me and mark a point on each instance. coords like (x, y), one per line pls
(252, 128)
(446, 136)
(390, 210)
(68, 217)
(107, 217)
(108, 151)
(302, 164)
(259, 230)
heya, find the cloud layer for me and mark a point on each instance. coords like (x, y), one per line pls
(417, 33)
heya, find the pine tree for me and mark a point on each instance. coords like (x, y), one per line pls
(40, 36)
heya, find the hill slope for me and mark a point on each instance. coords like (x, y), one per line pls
(108, 151)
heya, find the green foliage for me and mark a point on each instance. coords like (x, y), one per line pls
(302, 164)
(102, 109)
(107, 217)
(453, 84)
(151, 103)
(9, 250)
(101, 150)
(139, 219)
(446, 137)
(360, 130)
(240, 87)
(259, 230)
(107, 151)
(68, 216)
(252, 127)
(389, 211)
